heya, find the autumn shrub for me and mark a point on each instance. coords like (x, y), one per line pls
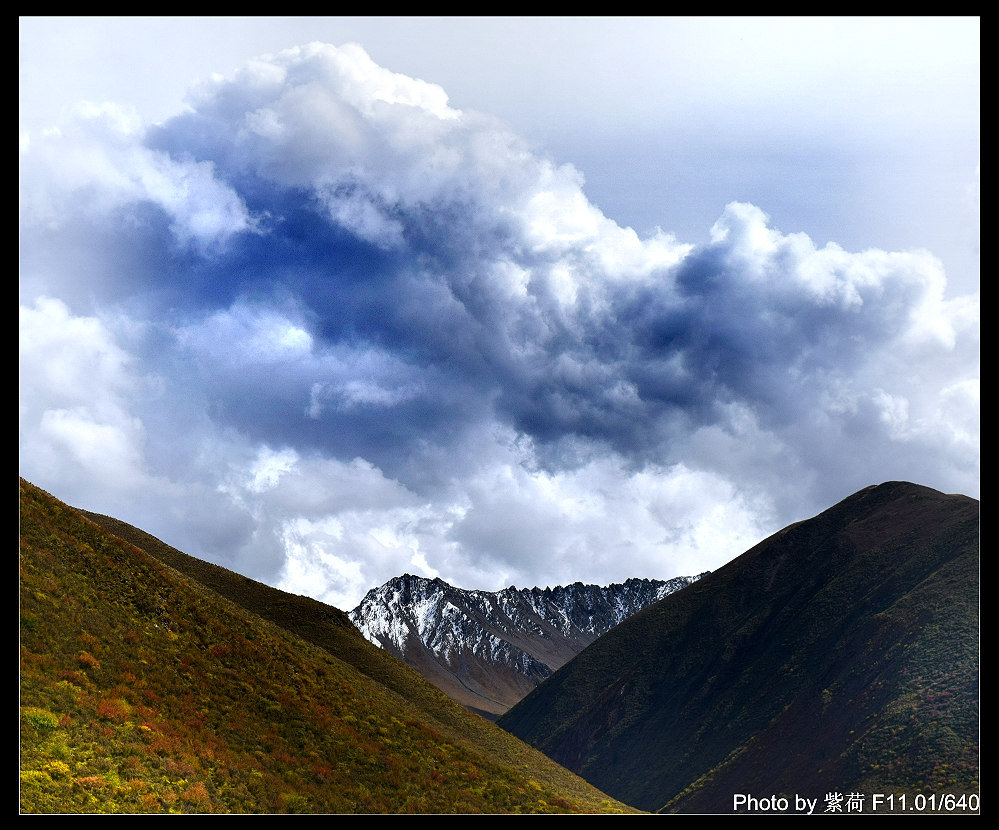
(40, 719)
(197, 796)
(57, 769)
(85, 658)
(93, 782)
(113, 709)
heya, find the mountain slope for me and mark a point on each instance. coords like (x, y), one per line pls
(489, 649)
(144, 690)
(839, 655)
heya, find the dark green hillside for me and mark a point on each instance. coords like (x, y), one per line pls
(142, 690)
(839, 655)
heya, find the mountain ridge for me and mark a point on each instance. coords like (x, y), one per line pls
(487, 649)
(145, 690)
(841, 653)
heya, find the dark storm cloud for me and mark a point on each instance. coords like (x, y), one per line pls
(322, 273)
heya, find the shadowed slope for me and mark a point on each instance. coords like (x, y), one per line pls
(840, 654)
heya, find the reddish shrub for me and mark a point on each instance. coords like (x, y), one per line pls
(85, 658)
(93, 782)
(197, 796)
(116, 710)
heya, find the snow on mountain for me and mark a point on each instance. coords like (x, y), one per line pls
(489, 649)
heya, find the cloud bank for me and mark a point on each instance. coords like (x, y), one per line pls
(323, 328)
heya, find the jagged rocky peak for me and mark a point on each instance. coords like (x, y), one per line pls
(488, 649)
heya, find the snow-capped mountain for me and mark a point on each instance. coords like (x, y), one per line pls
(489, 649)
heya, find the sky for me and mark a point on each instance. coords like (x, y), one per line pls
(519, 301)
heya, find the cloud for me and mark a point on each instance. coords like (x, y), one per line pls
(325, 328)
(75, 385)
(95, 166)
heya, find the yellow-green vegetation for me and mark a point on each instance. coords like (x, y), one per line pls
(142, 690)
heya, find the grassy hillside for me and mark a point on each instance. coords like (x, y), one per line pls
(840, 655)
(144, 690)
